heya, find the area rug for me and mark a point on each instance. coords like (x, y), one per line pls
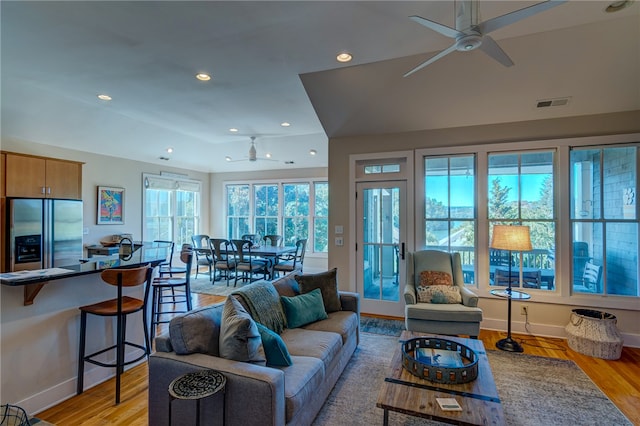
(534, 390)
(217, 288)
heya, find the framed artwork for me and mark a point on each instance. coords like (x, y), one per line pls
(110, 205)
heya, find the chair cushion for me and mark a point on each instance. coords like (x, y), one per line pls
(239, 336)
(327, 282)
(304, 309)
(428, 278)
(275, 350)
(454, 312)
(439, 294)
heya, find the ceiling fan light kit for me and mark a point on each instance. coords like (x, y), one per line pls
(470, 35)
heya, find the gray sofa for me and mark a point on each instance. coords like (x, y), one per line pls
(257, 394)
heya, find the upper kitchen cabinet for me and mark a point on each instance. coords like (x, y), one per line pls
(39, 177)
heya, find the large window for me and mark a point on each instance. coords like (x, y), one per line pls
(294, 210)
(604, 220)
(171, 209)
(449, 210)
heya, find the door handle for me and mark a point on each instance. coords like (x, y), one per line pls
(402, 251)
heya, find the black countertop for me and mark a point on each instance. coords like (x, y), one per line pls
(148, 253)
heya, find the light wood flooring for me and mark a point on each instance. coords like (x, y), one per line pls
(619, 380)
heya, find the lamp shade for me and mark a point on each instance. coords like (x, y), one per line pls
(511, 237)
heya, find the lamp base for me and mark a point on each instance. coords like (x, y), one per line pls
(509, 344)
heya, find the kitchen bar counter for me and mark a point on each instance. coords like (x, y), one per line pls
(33, 281)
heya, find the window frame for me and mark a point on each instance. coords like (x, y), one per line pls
(311, 182)
(562, 293)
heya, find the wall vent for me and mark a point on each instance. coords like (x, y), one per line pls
(164, 158)
(544, 103)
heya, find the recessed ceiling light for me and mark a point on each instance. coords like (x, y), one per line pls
(227, 158)
(233, 130)
(104, 97)
(203, 77)
(312, 152)
(344, 57)
(618, 5)
(285, 124)
(268, 155)
(169, 150)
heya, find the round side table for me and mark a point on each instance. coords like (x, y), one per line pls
(198, 385)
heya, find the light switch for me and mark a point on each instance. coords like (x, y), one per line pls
(339, 229)
(339, 241)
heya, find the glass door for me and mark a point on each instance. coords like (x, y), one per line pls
(381, 215)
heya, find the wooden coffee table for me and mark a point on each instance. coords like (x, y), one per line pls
(405, 393)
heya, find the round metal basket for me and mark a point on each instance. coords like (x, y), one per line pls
(436, 373)
(12, 415)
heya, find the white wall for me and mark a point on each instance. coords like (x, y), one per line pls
(546, 318)
(39, 343)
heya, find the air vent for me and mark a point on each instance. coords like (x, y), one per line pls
(544, 103)
(164, 158)
(288, 162)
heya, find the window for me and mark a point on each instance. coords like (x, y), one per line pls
(294, 210)
(171, 209)
(238, 211)
(604, 220)
(520, 192)
(449, 209)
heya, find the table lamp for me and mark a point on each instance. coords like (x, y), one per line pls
(512, 238)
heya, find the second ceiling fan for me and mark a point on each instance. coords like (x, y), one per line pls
(470, 35)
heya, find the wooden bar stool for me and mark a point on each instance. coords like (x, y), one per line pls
(120, 307)
(161, 284)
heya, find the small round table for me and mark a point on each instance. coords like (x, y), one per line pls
(198, 385)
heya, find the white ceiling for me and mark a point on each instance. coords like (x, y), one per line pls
(275, 61)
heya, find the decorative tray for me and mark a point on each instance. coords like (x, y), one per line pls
(415, 361)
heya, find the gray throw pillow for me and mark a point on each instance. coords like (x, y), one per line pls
(239, 336)
(196, 331)
(327, 282)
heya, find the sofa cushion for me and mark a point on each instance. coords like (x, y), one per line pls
(303, 379)
(275, 350)
(439, 294)
(322, 345)
(196, 331)
(343, 322)
(327, 282)
(428, 278)
(303, 309)
(239, 336)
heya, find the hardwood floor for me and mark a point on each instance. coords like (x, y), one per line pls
(619, 380)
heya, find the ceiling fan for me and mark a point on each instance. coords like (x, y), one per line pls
(253, 155)
(470, 35)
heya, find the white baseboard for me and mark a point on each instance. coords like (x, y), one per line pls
(545, 330)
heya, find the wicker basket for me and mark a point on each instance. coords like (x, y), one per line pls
(594, 333)
(12, 415)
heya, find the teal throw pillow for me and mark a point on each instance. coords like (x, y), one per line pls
(304, 309)
(275, 349)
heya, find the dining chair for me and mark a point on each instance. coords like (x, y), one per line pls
(160, 285)
(250, 237)
(273, 240)
(247, 265)
(120, 307)
(223, 258)
(203, 252)
(292, 262)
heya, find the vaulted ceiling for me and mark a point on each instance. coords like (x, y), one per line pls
(275, 62)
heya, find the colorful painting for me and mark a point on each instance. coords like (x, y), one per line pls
(110, 205)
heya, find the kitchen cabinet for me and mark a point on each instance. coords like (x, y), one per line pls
(40, 177)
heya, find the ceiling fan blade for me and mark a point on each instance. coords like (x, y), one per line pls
(502, 21)
(442, 29)
(432, 60)
(491, 48)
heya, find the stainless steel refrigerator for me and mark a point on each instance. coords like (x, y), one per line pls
(43, 233)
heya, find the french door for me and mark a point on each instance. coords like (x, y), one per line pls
(381, 234)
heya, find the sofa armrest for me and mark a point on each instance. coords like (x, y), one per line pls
(410, 293)
(469, 298)
(350, 301)
(258, 391)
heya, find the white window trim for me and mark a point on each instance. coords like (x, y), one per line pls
(561, 293)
